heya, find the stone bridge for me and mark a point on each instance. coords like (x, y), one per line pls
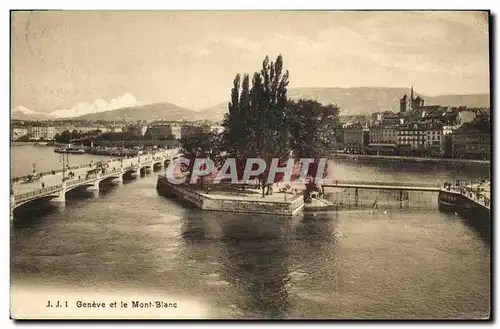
(89, 178)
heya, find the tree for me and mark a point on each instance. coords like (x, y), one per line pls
(256, 124)
(312, 133)
(203, 145)
(232, 123)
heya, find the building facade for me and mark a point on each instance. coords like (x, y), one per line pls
(159, 131)
(354, 138)
(383, 134)
(41, 132)
(468, 144)
(434, 141)
(412, 135)
(18, 132)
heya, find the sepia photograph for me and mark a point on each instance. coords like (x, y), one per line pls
(250, 164)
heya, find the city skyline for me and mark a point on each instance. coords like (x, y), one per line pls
(62, 58)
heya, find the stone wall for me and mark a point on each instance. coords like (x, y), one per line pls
(241, 205)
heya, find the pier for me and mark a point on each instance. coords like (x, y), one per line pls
(421, 186)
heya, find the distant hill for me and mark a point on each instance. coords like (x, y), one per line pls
(362, 100)
(213, 113)
(352, 101)
(156, 111)
(473, 100)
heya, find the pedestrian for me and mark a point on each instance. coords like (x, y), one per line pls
(43, 185)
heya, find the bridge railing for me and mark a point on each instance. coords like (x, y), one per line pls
(37, 192)
(476, 196)
(371, 183)
(149, 156)
(92, 178)
(74, 182)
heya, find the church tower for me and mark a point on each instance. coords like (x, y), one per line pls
(412, 100)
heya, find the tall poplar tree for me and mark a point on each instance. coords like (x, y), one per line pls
(256, 124)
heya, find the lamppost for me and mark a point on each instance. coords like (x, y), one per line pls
(65, 161)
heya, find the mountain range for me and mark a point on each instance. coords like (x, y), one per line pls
(352, 101)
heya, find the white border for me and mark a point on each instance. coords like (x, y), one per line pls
(208, 5)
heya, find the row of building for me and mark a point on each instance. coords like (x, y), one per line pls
(420, 130)
(46, 132)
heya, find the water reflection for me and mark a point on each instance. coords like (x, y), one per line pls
(193, 229)
(30, 215)
(257, 264)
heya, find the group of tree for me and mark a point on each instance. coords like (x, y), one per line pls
(67, 136)
(263, 123)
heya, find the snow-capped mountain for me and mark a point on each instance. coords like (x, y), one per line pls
(24, 113)
(24, 110)
(82, 108)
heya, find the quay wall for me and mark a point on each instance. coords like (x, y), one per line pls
(236, 204)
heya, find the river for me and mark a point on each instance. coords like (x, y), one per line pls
(127, 242)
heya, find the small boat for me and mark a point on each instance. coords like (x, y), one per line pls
(69, 149)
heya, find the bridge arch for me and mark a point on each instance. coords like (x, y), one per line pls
(28, 201)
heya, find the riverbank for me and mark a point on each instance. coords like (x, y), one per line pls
(19, 143)
(412, 159)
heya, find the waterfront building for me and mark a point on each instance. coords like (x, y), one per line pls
(159, 131)
(382, 139)
(434, 141)
(383, 134)
(412, 135)
(18, 132)
(86, 129)
(354, 137)
(472, 141)
(471, 145)
(41, 132)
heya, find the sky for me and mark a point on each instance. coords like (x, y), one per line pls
(189, 58)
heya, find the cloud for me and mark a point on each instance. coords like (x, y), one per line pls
(97, 106)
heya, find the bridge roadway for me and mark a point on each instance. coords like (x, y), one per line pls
(55, 189)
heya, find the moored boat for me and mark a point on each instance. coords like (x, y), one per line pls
(70, 149)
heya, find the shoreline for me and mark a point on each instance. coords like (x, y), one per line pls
(412, 159)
